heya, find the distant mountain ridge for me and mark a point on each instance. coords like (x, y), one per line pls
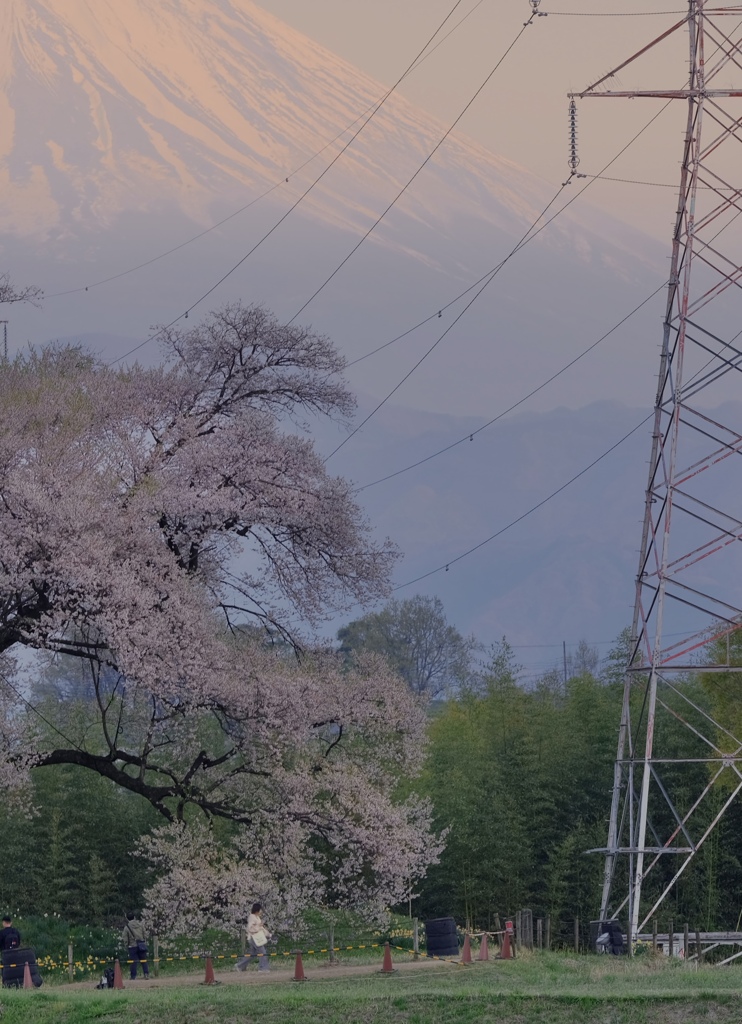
(566, 571)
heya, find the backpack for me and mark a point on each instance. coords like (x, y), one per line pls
(107, 980)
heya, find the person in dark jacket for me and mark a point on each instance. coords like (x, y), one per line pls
(136, 942)
(10, 937)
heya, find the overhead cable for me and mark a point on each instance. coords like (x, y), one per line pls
(285, 178)
(31, 707)
(465, 554)
(489, 278)
(661, 184)
(594, 177)
(367, 120)
(612, 14)
(534, 508)
(532, 233)
(419, 171)
(473, 433)
(575, 643)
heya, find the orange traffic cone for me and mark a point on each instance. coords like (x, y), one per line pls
(209, 979)
(118, 981)
(466, 951)
(506, 952)
(27, 983)
(299, 968)
(387, 967)
(484, 953)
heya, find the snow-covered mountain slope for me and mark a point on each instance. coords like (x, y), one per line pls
(107, 106)
(127, 125)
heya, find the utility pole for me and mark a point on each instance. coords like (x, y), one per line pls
(688, 599)
(564, 657)
(5, 340)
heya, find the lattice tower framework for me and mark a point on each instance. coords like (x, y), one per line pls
(678, 768)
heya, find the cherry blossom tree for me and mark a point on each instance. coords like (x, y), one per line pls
(147, 516)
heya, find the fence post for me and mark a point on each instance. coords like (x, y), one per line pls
(547, 937)
(243, 941)
(156, 955)
(71, 961)
(699, 950)
(671, 938)
(416, 938)
(518, 927)
(654, 934)
(577, 935)
(686, 942)
(529, 928)
(540, 933)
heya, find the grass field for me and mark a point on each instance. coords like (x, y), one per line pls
(546, 988)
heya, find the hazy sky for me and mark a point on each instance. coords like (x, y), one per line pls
(522, 114)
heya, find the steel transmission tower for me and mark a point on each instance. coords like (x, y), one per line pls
(669, 793)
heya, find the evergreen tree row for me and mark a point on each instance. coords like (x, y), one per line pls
(522, 779)
(72, 854)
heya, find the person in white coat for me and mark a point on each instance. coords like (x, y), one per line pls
(257, 939)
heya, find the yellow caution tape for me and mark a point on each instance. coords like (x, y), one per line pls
(96, 962)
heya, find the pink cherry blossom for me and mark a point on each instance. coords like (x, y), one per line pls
(175, 530)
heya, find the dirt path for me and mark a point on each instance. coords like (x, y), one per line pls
(317, 970)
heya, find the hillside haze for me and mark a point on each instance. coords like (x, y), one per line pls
(127, 127)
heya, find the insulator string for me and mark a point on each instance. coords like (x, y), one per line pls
(574, 159)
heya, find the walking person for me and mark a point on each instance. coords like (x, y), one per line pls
(136, 942)
(257, 940)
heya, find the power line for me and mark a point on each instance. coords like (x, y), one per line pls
(446, 566)
(592, 177)
(630, 14)
(422, 323)
(36, 711)
(488, 280)
(194, 238)
(525, 239)
(305, 193)
(418, 59)
(534, 508)
(613, 14)
(573, 643)
(285, 178)
(473, 433)
(660, 184)
(448, 34)
(419, 171)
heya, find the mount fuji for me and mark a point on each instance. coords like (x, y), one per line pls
(127, 127)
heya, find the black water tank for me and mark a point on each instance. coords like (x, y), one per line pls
(441, 937)
(14, 961)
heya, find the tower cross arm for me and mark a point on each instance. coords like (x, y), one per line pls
(633, 57)
(662, 94)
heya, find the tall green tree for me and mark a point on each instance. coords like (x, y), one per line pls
(521, 777)
(415, 636)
